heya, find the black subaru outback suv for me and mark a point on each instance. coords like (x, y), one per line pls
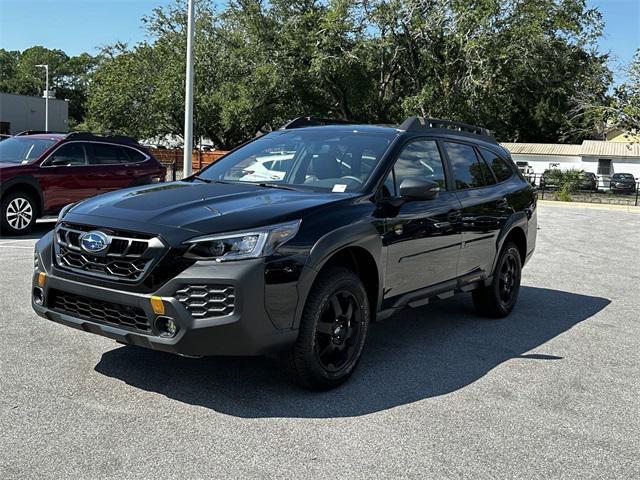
(294, 243)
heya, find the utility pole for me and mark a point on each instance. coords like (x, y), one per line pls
(188, 97)
(46, 97)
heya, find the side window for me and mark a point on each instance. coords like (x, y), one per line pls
(419, 159)
(69, 154)
(104, 154)
(500, 167)
(134, 156)
(468, 170)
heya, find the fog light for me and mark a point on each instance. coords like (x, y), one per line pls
(166, 326)
(157, 305)
(38, 296)
(42, 277)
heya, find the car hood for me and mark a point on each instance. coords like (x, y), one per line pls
(7, 165)
(198, 207)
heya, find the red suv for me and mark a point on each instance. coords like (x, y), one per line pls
(42, 172)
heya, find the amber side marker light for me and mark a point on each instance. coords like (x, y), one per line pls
(157, 305)
(42, 277)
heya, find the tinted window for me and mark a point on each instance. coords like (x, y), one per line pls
(134, 155)
(626, 176)
(468, 170)
(104, 154)
(420, 159)
(69, 154)
(500, 167)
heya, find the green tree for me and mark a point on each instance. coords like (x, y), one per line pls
(68, 76)
(516, 67)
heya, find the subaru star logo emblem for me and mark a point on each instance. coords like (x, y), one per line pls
(94, 242)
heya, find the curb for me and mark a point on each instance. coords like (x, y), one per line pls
(594, 206)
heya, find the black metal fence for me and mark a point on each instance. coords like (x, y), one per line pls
(603, 190)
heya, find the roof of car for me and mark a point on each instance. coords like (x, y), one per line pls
(48, 136)
(355, 127)
(388, 130)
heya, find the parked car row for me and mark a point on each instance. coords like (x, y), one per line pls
(588, 181)
(42, 172)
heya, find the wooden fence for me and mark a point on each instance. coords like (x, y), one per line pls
(198, 159)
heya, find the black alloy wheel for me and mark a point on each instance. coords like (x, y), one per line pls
(498, 299)
(332, 332)
(338, 331)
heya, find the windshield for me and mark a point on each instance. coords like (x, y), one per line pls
(318, 160)
(626, 176)
(23, 149)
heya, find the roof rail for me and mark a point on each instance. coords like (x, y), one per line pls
(105, 138)
(36, 132)
(313, 121)
(421, 123)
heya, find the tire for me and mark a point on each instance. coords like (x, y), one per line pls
(498, 299)
(19, 213)
(331, 336)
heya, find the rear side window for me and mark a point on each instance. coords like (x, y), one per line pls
(135, 156)
(469, 171)
(104, 154)
(499, 165)
(68, 154)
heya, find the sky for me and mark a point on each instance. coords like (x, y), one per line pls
(77, 26)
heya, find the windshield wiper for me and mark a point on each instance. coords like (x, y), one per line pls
(276, 185)
(211, 180)
(202, 179)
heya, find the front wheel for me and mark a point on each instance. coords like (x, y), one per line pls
(332, 333)
(498, 299)
(18, 213)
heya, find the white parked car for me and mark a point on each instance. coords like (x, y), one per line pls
(273, 167)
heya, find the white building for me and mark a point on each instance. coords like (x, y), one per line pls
(599, 157)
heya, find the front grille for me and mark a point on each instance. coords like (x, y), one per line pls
(127, 258)
(207, 300)
(99, 311)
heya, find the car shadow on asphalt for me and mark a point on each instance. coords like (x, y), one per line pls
(416, 354)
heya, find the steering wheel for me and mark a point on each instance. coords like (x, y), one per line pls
(356, 179)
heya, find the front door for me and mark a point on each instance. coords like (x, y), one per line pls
(67, 176)
(422, 236)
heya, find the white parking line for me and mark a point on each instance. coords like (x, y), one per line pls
(17, 246)
(6, 242)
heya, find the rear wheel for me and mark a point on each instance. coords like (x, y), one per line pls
(498, 299)
(332, 333)
(18, 213)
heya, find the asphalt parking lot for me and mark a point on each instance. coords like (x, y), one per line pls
(553, 391)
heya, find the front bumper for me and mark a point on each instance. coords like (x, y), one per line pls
(246, 331)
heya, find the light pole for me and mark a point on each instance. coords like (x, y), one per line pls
(188, 97)
(46, 97)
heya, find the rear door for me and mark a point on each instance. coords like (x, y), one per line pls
(68, 175)
(422, 236)
(112, 167)
(485, 207)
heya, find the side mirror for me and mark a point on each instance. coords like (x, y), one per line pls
(419, 189)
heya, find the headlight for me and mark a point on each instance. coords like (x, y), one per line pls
(241, 245)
